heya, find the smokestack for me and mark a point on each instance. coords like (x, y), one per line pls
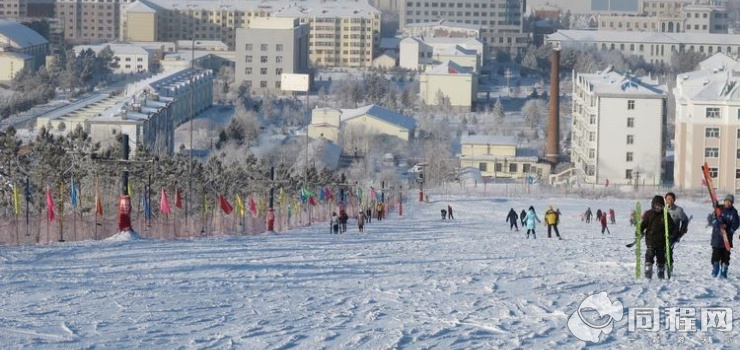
(552, 152)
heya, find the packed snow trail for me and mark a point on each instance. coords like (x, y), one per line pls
(407, 282)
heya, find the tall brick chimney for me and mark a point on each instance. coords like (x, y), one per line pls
(552, 153)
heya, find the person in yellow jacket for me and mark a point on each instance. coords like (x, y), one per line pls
(552, 219)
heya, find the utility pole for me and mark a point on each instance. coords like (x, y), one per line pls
(192, 115)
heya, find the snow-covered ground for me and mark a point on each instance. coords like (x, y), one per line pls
(408, 282)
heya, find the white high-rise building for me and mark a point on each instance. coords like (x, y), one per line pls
(619, 125)
(708, 124)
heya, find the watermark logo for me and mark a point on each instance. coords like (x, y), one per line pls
(587, 330)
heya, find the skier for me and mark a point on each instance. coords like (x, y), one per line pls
(680, 219)
(512, 219)
(602, 219)
(729, 221)
(612, 216)
(334, 223)
(552, 219)
(653, 229)
(343, 217)
(361, 220)
(598, 215)
(368, 214)
(523, 217)
(444, 214)
(449, 212)
(588, 215)
(530, 218)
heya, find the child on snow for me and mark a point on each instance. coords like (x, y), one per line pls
(334, 223)
(552, 219)
(530, 218)
(603, 224)
(512, 219)
(653, 229)
(729, 221)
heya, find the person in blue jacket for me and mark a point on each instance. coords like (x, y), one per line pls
(729, 221)
(530, 218)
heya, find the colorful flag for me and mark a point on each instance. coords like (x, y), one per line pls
(130, 189)
(224, 204)
(282, 198)
(373, 195)
(73, 193)
(252, 206)
(50, 214)
(164, 204)
(98, 204)
(147, 207)
(16, 200)
(178, 199)
(240, 205)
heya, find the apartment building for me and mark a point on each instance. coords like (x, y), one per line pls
(500, 20)
(89, 21)
(268, 48)
(653, 47)
(13, 9)
(342, 32)
(619, 126)
(669, 16)
(708, 124)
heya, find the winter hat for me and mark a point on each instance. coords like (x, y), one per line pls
(658, 200)
(549, 207)
(730, 198)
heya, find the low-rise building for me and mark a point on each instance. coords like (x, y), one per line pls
(15, 37)
(419, 53)
(334, 124)
(449, 83)
(127, 58)
(12, 63)
(500, 157)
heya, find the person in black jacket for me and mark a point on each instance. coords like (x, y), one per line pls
(512, 219)
(523, 215)
(654, 231)
(729, 221)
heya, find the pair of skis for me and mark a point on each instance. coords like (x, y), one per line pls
(638, 241)
(715, 203)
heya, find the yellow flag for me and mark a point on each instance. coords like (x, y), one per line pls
(16, 200)
(130, 190)
(282, 199)
(240, 205)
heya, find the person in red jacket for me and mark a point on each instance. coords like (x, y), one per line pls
(603, 224)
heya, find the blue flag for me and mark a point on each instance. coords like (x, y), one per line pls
(147, 207)
(73, 193)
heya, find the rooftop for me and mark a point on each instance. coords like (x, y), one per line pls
(380, 113)
(611, 82)
(449, 67)
(18, 35)
(591, 36)
(281, 8)
(488, 140)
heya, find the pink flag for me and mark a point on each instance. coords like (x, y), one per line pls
(372, 194)
(164, 204)
(50, 214)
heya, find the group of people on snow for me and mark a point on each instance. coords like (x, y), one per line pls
(447, 213)
(662, 235)
(338, 223)
(529, 220)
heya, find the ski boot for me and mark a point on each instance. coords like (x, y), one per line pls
(723, 271)
(661, 273)
(715, 269)
(534, 236)
(648, 271)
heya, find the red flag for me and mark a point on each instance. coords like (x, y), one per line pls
(252, 206)
(312, 200)
(50, 214)
(178, 199)
(164, 204)
(225, 206)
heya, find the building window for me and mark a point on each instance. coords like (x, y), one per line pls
(278, 59)
(592, 119)
(278, 47)
(629, 156)
(263, 59)
(737, 174)
(630, 139)
(278, 71)
(263, 47)
(738, 114)
(482, 166)
(713, 173)
(277, 84)
(498, 167)
(512, 168)
(630, 104)
(591, 136)
(738, 154)
(591, 153)
(713, 112)
(248, 59)
(628, 174)
(630, 122)
(711, 152)
(263, 84)
(263, 71)
(711, 132)
(526, 168)
(248, 47)
(248, 70)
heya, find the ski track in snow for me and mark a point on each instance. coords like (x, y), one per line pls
(413, 282)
